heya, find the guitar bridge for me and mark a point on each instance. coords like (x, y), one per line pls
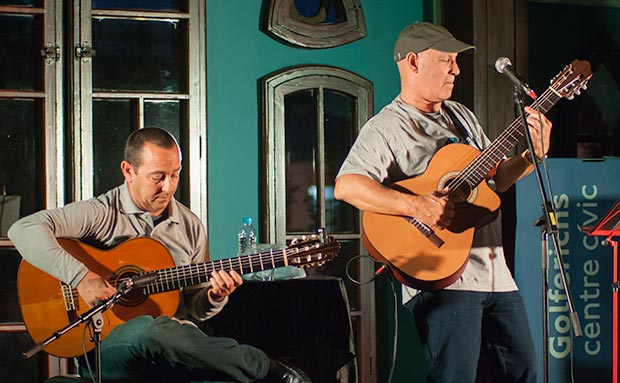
(426, 231)
(68, 296)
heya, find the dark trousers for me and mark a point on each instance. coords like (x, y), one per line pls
(162, 349)
(454, 325)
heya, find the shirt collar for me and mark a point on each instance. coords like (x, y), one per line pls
(128, 206)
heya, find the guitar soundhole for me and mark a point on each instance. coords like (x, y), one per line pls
(134, 297)
(460, 191)
(460, 195)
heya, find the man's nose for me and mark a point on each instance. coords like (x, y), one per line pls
(455, 70)
(166, 185)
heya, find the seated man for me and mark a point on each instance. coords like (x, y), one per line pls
(144, 206)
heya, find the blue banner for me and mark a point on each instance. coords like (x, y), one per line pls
(583, 192)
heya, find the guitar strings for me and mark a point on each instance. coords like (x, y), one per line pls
(188, 275)
(201, 271)
(192, 274)
(181, 276)
(475, 172)
(497, 149)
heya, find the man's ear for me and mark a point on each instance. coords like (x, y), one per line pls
(412, 60)
(127, 170)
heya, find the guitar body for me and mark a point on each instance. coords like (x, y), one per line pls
(48, 305)
(412, 257)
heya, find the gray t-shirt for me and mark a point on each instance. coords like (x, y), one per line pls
(106, 221)
(398, 143)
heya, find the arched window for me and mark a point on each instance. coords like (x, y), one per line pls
(312, 115)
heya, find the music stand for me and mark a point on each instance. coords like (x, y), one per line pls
(609, 227)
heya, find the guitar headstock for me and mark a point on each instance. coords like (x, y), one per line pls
(572, 79)
(312, 250)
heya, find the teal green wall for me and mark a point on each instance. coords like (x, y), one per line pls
(238, 54)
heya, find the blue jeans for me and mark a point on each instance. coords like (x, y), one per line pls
(454, 325)
(162, 349)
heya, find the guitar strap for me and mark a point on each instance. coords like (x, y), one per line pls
(460, 128)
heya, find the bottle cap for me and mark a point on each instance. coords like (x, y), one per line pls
(247, 220)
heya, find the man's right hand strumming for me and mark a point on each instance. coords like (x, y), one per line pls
(434, 209)
(93, 288)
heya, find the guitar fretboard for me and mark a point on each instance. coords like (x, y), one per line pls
(478, 169)
(175, 278)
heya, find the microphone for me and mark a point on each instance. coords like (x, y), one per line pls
(504, 66)
(140, 280)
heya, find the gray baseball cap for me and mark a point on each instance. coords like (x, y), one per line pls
(420, 36)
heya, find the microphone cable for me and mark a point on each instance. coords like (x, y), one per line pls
(380, 270)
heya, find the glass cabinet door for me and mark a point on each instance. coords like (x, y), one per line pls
(29, 139)
(78, 76)
(134, 65)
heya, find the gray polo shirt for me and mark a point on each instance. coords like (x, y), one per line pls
(104, 222)
(398, 143)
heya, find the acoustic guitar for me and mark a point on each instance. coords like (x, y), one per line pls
(423, 258)
(49, 305)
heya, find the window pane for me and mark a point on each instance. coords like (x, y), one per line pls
(167, 115)
(21, 66)
(9, 304)
(340, 115)
(338, 268)
(21, 152)
(300, 129)
(113, 121)
(153, 5)
(140, 55)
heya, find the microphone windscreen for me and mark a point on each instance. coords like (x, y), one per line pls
(501, 64)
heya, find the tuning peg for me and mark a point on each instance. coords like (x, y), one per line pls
(578, 92)
(572, 96)
(584, 86)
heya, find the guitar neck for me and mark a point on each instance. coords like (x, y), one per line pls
(175, 278)
(475, 172)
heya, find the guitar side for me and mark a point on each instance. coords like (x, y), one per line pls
(47, 308)
(414, 259)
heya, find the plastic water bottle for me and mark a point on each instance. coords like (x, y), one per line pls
(247, 237)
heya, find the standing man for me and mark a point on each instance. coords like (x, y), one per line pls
(163, 348)
(483, 307)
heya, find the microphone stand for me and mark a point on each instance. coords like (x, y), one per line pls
(92, 316)
(548, 227)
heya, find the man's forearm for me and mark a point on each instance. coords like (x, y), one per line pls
(510, 171)
(34, 239)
